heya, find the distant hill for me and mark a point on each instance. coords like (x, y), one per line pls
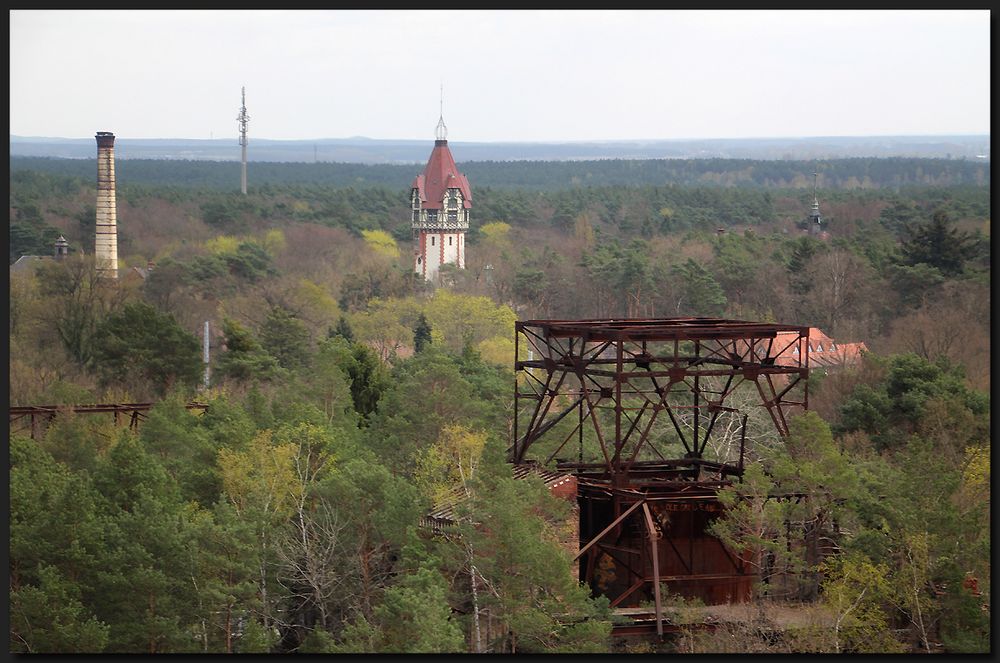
(372, 151)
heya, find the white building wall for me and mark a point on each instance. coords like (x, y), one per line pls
(449, 241)
(453, 245)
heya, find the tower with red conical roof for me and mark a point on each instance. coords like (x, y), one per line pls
(440, 200)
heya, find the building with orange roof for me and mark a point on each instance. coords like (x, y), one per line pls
(824, 352)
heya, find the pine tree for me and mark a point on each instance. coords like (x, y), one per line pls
(421, 334)
(245, 358)
(938, 244)
(141, 341)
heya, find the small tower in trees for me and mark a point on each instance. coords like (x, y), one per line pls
(440, 200)
(815, 220)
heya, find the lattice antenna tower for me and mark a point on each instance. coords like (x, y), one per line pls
(243, 118)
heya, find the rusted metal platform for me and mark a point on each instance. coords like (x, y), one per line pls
(641, 387)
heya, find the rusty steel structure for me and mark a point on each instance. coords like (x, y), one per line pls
(33, 417)
(641, 389)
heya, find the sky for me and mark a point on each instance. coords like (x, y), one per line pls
(507, 75)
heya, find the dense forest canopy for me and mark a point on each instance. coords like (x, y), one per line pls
(865, 173)
(347, 397)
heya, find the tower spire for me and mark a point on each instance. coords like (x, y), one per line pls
(814, 215)
(441, 131)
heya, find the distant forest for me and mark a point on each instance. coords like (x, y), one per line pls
(855, 173)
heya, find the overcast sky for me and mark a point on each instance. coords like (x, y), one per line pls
(508, 75)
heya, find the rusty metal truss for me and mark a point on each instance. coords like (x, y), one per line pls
(642, 369)
(29, 417)
(638, 387)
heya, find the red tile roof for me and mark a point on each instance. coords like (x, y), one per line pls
(823, 350)
(439, 175)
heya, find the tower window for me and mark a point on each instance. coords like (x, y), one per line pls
(449, 240)
(432, 241)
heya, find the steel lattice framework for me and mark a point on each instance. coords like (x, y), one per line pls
(620, 377)
(632, 368)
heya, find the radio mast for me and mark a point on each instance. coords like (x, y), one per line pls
(243, 118)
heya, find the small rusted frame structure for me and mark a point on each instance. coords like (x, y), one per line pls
(30, 416)
(643, 515)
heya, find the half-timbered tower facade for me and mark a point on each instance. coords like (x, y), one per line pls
(440, 201)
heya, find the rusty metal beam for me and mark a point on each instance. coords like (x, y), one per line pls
(653, 535)
(136, 411)
(607, 529)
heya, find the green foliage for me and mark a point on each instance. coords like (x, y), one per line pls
(427, 393)
(516, 532)
(172, 433)
(381, 243)
(31, 237)
(77, 442)
(338, 363)
(803, 250)
(855, 589)
(77, 299)
(223, 212)
(343, 330)
(700, 292)
(251, 262)
(386, 183)
(149, 563)
(939, 245)
(245, 358)
(915, 283)
(54, 520)
(891, 409)
(753, 524)
(378, 281)
(413, 618)
(49, 619)
(285, 338)
(421, 334)
(141, 342)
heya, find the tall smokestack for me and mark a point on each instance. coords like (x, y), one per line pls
(106, 243)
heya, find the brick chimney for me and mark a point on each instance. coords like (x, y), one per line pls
(106, 242)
